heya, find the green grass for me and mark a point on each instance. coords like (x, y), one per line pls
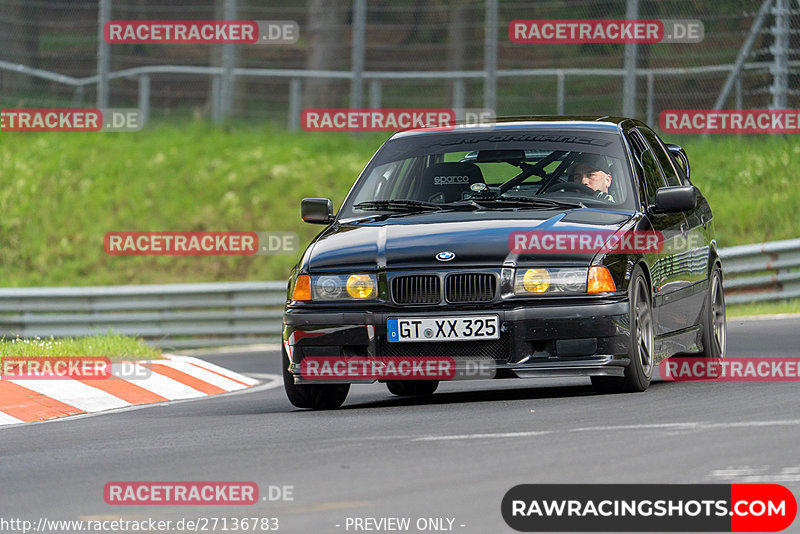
(113, 346)
(763, 308)
(63, 191)
(751, 184)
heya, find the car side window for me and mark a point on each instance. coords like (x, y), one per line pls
(643, 154)
(663, 156)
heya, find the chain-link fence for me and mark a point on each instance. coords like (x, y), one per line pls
(400, 53)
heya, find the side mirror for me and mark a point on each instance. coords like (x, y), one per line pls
(680, 155)
(317, 210)
(675, 198)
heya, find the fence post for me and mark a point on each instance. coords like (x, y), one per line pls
(738, 98)
(459, 93)
(216, 97)
(77, 97)
(357, 55)
(295, 95)
(744, 51)
(228, 64)
(490, 57)
(375, 94)
(144, 98)
(780, 51)
(560, 92)
(631, 52)
(650, 97)
(103, 54)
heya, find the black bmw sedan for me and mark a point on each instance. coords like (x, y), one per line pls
(533, 247)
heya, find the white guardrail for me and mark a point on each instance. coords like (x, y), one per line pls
(236, 313)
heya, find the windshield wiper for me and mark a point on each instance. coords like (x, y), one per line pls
(397, 205)
(544, 202)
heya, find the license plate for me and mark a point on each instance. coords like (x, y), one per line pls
(444, 328)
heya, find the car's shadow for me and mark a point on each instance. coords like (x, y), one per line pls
(485, 395)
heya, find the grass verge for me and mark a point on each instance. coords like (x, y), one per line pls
(112, 346)
(762, 308)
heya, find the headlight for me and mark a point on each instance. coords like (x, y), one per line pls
(344, 287)
(541, 280)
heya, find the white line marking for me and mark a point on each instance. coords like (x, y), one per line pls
(215, 368)
(690, 425)
(483, 436)
(750, 475)
(167, 387)
(74, 393)
(203, 374)
(6, 419)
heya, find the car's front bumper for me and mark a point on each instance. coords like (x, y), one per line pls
(587, 339)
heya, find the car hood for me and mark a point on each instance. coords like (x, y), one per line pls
(477, 239)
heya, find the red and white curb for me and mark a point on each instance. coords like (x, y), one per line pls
(173, 378)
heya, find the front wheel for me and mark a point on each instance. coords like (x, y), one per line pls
(641, 349)
(714, 324)
(314, 396)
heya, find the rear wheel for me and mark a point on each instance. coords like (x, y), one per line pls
(315, 396)
(406, 388)
(641, 345)
(714, 324)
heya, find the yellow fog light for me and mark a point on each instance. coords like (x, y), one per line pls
(536, 280)
(360, 286)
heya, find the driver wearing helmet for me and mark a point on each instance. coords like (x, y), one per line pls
(592, 171)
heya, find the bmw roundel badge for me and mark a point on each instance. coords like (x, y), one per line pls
(445, 255)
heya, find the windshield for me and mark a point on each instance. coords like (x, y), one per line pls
(510, 170)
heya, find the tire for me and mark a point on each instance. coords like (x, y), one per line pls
(314, 396)
(714, 324)
(641, 343)
(407, 388)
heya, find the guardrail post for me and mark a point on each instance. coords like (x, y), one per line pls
(144, 98)
(103, 54)
(295, 96)
(560, 92)
(375, 94)
(783, 257)
(357, 55)
(490, 57)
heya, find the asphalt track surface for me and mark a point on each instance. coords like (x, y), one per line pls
(453, 455)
